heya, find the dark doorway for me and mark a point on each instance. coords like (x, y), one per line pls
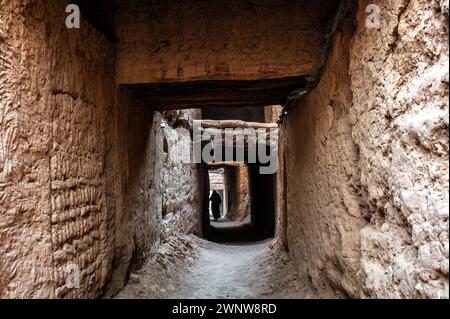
(234, 225)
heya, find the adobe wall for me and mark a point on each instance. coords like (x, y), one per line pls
(52, 133)
(365, 185)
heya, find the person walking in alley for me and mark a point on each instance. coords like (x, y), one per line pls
(215, 205)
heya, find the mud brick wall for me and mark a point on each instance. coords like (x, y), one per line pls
(77, 194)
(53, 101)
(400, 123)
(364, 159)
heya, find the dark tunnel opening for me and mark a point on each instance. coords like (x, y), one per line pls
(247, 210)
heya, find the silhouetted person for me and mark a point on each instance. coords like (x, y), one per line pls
(215, 204)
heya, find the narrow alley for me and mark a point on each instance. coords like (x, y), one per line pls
(224, 149)
(218, 271)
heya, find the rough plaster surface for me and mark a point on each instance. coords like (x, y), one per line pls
(52, 206)
(144, 185)
(323, 213)
(366, 160)
(400, 123)
(24, 167)
(183, 181)
(157, 195)
(82, 175)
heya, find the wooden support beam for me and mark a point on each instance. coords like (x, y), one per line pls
(218, 137)
(229, 164)
(234, 124)
(209, 94)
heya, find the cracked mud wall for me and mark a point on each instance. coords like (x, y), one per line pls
(52, 132)
(366, 160)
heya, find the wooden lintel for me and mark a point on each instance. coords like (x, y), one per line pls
(234, 124)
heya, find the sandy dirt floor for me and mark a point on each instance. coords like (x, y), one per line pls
(190, 267)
